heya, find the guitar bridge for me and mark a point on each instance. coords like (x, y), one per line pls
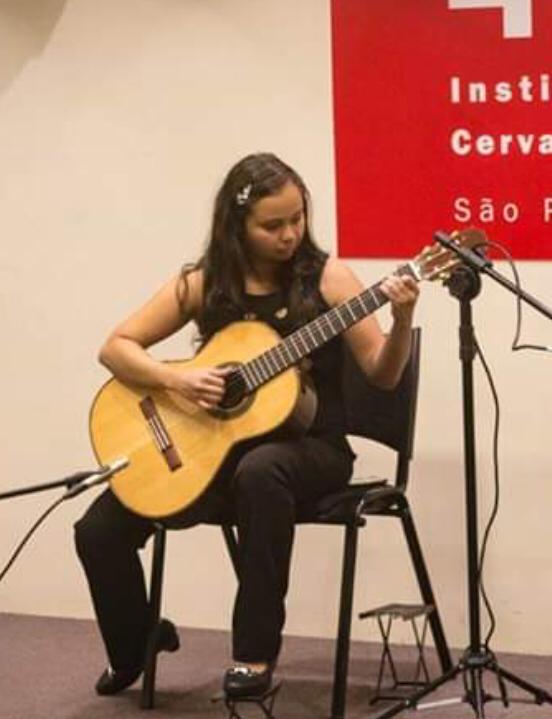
(160, 434)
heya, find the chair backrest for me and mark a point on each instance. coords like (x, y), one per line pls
(385, 416)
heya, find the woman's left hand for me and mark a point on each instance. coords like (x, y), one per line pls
(403, 293)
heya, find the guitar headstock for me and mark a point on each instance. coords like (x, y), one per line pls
(436, 262)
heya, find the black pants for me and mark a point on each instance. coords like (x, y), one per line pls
(263, 487)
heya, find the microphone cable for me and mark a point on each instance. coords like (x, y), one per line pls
(496, 501)
(516, 346)
(515, 343)
(29, 534)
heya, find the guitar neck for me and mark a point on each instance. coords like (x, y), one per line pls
(302, 342)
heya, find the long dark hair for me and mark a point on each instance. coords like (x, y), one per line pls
(224, 262)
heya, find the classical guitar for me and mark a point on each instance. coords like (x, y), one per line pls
(175, 447)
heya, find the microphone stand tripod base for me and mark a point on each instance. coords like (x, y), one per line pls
(472, 667)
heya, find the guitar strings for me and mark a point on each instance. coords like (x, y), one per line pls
(319, 325)
(239, 376)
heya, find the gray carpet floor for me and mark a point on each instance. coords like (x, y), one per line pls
(48, 667)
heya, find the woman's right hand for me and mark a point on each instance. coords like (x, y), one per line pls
(203, 385)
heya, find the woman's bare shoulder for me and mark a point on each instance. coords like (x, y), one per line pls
(338, 282)
(189, 287)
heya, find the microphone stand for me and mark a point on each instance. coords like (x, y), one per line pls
(465, 285)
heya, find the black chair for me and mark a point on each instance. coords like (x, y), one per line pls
(387, 417)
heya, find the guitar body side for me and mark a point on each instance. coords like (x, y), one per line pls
(202, 439)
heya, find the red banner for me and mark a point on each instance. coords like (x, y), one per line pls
(443, 119)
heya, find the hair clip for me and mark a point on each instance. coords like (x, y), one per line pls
(243, 195)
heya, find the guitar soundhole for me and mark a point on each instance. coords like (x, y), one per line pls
(235, 393)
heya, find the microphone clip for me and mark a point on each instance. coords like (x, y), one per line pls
(98, 477)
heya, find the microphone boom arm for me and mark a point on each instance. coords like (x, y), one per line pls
(75, 483)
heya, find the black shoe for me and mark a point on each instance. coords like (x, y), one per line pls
(244, 682)
(113, 681)
(167, 637)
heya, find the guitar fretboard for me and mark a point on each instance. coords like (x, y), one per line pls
(300, 343)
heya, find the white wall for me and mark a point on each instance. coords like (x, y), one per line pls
(117, 121)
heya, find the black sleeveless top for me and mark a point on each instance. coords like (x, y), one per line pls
(326, 369)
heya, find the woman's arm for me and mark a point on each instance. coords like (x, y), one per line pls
(382, 357)
(125, 350)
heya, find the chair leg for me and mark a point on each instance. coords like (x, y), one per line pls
(147, 698)
(341, 667)
(231, 545)
(426, 589)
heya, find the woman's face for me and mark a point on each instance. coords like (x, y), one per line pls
(275, 225)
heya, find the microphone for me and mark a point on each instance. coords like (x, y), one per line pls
(472, 258)
(97, 477)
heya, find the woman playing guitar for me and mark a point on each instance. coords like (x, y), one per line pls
(261, 263)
